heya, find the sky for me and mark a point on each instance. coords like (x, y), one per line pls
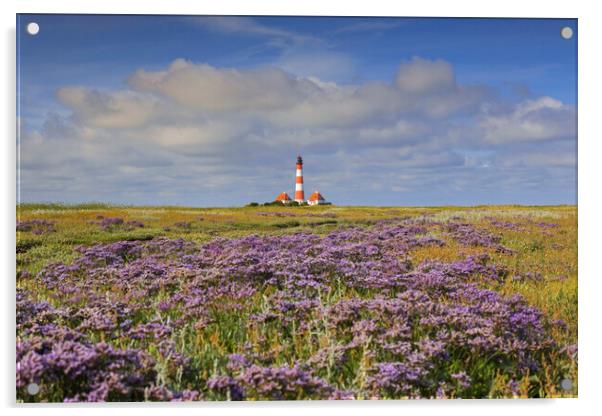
(213, 110)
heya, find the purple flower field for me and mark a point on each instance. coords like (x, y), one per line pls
(356, 311)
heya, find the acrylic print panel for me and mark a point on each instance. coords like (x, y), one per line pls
(295, 208)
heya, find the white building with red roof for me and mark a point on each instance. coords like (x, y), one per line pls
(316, 199)
(284, 198)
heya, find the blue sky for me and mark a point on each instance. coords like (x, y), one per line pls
(211, 111)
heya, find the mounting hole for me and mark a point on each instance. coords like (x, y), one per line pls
(33, 389)
(566, 384)
(566, 32)
(33, 28)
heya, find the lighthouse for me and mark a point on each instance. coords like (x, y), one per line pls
(299, 195)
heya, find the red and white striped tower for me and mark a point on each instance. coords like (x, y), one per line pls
(299, 195)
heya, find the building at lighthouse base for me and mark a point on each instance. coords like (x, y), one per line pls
(283, 198)
(317, 199)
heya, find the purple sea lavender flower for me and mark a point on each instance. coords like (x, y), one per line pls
(409, 321)
(462, 379)
(36, 226)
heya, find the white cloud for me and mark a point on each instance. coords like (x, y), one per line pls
(281, 98)
(402, 129)
(532, 120)
(423, 76)
(324, 64)
(200, 137)
(247, 25)
(203, 87)
(120, 109)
